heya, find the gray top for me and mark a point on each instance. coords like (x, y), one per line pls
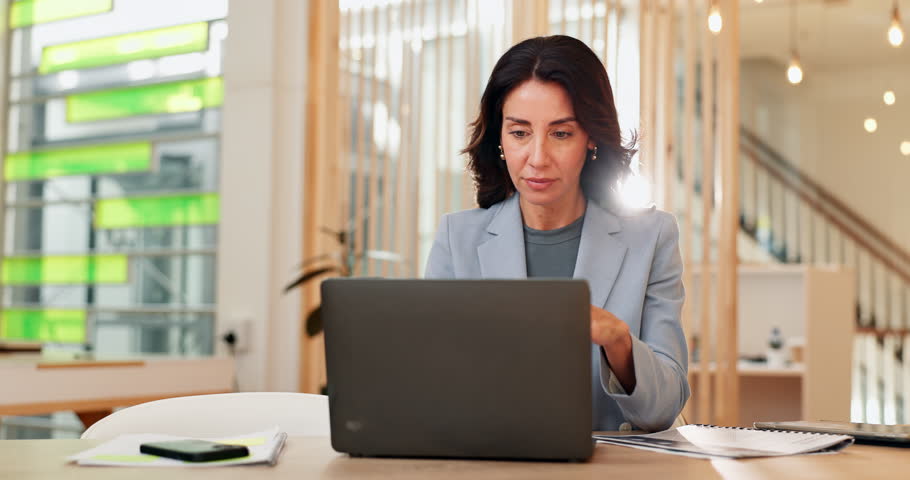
(552, 253)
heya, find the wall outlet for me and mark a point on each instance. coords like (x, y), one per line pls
(240, 331)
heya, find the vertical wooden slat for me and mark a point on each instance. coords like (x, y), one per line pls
(705, 407)
(373, 168)
(404, 156)
(593, 22)
(321, 110)
(653, 93)
(414, 192)
(599, 31)
(644, 48)
(608, 41)
(344, 107)
(447, 113)
(357, 233)
(688, 141)
(619, 14)
(439, 159)
(670, 109)
(529, 18)
(649, 59)
(472, 44)
(720, 395)
(729, 215)
(392, 111)
(508, 35)
(563, 24)
(659, 35)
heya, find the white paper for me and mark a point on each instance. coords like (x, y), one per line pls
(705, 441)
(123, 451)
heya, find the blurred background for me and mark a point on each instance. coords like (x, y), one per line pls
(171, 168)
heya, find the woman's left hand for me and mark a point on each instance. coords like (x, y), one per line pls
(607, 330)
(613, 334)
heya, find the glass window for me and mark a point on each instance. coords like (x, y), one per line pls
(110, 184)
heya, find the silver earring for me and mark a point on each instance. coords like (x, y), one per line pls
(502, 154)
(594, 153)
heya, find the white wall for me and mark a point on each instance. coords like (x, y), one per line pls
(261, 208)
(819, 126)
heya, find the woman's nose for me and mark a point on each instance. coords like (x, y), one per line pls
(537, 156)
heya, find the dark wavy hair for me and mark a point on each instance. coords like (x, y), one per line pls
(568, 62)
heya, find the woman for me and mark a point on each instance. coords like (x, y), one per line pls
(547, 156)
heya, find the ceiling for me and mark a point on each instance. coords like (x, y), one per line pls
(832, 35)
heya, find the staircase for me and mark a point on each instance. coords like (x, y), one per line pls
(796, 220)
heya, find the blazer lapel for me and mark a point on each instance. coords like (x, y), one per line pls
(600, 254)
(503, 255)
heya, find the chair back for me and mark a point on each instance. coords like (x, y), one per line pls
(218, 415)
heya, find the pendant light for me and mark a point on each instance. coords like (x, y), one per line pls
(895, 31)
(795, 69)
(715, 21)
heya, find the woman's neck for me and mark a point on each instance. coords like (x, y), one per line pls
(551, 217)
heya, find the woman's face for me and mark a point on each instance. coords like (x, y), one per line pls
(545, 147)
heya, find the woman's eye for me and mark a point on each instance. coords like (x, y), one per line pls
(562, 134)
(519, 133)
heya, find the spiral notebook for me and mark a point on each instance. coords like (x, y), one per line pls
(709, 441)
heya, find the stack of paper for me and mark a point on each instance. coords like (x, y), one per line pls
(123, 451)
(708, 441)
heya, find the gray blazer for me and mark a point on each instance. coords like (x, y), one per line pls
(633, 268)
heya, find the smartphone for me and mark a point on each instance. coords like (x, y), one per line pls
(194, 450)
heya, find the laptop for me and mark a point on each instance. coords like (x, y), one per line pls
(459, 368)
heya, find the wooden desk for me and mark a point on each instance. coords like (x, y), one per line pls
(314, 458)
(32, 385)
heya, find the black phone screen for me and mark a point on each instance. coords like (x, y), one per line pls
(194, 450)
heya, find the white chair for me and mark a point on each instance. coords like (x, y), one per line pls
(220, 415)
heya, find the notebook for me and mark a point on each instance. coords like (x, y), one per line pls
(123, 451)
(709, 441)
(892, 435)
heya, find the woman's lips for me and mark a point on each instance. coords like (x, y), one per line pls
(539, 183)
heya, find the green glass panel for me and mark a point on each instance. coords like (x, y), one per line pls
(91, 160)
(30, 12)
(174, 97)
(65, 269)
(49, 325)
(125, 48)
(157, 211)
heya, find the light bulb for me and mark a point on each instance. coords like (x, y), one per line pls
(905, 148)
(795, 71)
(895, 34)
(889, 98)
(870, 125)
(759, 1)
(715, 21)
